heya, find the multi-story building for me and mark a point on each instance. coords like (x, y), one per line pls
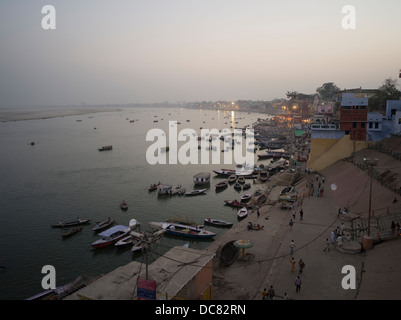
(353, 116)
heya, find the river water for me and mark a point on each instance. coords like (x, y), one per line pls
(64, 176)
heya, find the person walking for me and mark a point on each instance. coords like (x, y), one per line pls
(301, 266)
(270, 293)
(333, 237)
(293, 213)
(298, 283)
(301, 214)
(292, 246)
(292, 262)
(290, 224)
(264, 294)
(327, 246)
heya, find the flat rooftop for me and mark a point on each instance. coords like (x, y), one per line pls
(172, 272)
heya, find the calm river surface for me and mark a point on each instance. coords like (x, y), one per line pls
(64, 176)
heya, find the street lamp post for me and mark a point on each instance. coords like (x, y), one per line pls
(368, 240)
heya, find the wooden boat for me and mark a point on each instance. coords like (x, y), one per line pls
(103, 224)
(263, 175)
(288, 194)
(264, 156)
(234, 203)
(229, 172)
(64, 224)
(138, 245)
(241, 179)
(124, 241)
(237, 186)
(62, 291)
(176, 189)
(111, 235)
(184, 221)
(221, 185)
(186, 231)
(105, 148)
(218, 223)
(195, 192)
(242, 213)
(246, 186)
(232, 178)
(246, 197)
(71, 231)
(124, 205)
(262, 198)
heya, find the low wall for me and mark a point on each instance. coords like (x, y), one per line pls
(325, 152)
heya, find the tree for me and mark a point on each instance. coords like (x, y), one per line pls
(328, 91)
(292, 95)
(388, 91)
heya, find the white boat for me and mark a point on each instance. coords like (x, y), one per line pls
(246, 197)
(124, 241)
(242, 213)
(183, 230)
(138, 245)
(195, 192)
(176, 189)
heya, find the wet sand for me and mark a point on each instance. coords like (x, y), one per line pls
(21, 114)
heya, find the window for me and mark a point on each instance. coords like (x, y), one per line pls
(362, 124)
(376, 125)
(354, 125)
(347, 132)
(370, 125)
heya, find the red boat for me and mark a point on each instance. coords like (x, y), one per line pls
(111, 235)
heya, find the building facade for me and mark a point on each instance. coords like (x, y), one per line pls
(353, 116)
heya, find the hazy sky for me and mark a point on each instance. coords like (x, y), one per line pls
(125, 51)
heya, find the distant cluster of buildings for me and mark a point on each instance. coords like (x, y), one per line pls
(355, 120)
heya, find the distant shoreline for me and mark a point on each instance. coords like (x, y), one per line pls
(9, 115)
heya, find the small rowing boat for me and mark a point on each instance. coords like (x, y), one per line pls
(221, 185)
(124, 205)
(71, 231)
(195, 192)
(242, 213)
(218, 223)
(64, 224)
(103, 225)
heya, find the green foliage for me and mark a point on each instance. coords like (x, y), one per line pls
(388, 91)
(328, 91)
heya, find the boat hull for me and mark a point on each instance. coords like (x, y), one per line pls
(190, 234)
